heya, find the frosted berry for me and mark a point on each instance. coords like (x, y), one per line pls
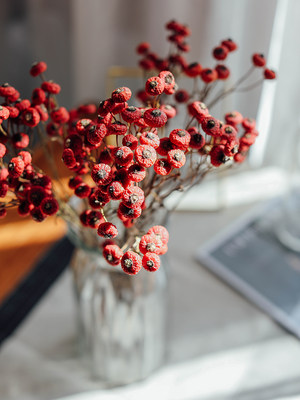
(155, 117)
(176, 158)
(162, 167)
(150, 138)
(121, 94)
(217, 156)
(161, 232)
(180, 138)
(151, 262)
(131, 263)
(107, 230)
(16, 167)
(155, 86)
(145, 155)
(112, 254)
(101, 174)
(150, 243)
(131, 114)
(133, 197)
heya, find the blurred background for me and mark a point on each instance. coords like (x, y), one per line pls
(80, 40)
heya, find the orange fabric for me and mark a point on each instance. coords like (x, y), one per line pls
(22, 240)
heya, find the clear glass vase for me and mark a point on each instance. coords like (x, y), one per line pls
(121, 318)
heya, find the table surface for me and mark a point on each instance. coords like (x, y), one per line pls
(220, 346)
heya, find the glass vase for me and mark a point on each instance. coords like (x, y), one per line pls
(121, 318)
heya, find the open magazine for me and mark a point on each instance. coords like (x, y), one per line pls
(249, 256)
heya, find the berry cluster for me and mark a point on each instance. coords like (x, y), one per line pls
(177, 63)
(123, 159)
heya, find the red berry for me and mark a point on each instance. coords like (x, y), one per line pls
(197, 140)
(155, 117)
(31, 117)
(165, 146)
(150, 243)
(87, 109)
(93, 219)
(115, 190)
(198, 110)
(123, 155)
(209, 75)
(20, 140)
(38, 96)
(121, 94)
(74, 181)
(222, 71)
(101, 174)
(82, 190)
(51, 87)
(230, 44)
(170, 111)
(38, 68)
(162, 167)
(176, 158)
(16, 167)
(68, 158)
(131, 263)
(269, 74)
(4, 112)
(117, 128)
(136, 173)
(42, 110)
(37, 215)
(217, 156)
(130, 141)
(249, 124)
(150, 138)
(168, 79)
(182, 96)
(220, 52)
(107, 230)
(126, 213)
(3, 188)
(211, 126)
(143, 48)
(155, 86)
(2, 150)
(234, 118)
(145, 155)
(112, 254)
(151, 262)
(22, 105)
(161, 232)
(131, 114)
(193, 70)
(49, 206)
(60, 115)
(36, 195)
(133, 197)
(96, 134)
(180, 138)
(7, 90)
(258, 60)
